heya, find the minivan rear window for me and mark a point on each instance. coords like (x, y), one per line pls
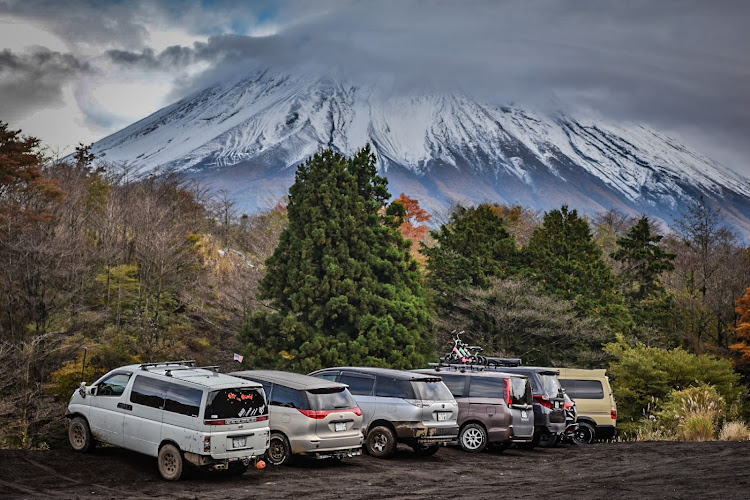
(431, 391)
(332, 398)
(359, 385)
(487, 387)
(388, 387)
(521, 391)
(235, 403)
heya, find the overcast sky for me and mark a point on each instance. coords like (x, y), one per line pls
(76, 71)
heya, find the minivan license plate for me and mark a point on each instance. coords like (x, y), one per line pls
(238, 442)
(524, 414)
(339, 426)
(442, 415)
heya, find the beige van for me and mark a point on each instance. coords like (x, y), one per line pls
(597, 410)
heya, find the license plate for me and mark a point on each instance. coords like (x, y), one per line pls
(442, 415)
(557, 405)
(524, 414)
(238, 442)
(339, 426)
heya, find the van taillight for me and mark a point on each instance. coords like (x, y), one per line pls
(508, 397)
(261, 418)
(543, 400)
(215, 422)
(613, 414)
(321, 414)
(207, 444)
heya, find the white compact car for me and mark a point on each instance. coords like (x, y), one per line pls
(176, 412)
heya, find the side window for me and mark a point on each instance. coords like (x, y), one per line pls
(584, 389)
(183, 400)
(114, 385)
(148, 391)
(358, 384)
(394, 388)
(456, 384)
(290, 398)
(328, 376)
(486, 387)
(267, 388)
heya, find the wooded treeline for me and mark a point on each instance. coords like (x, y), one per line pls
(141, 268)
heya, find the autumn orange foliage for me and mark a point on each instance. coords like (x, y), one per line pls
(411, 227)
(742, 330)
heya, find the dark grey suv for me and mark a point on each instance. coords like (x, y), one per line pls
(399, 406)
(549, 403)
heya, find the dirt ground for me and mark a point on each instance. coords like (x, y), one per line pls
(607, 470)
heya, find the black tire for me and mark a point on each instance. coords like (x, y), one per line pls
(380, 442)
(279, 451)
(546, 440)
(500, 447)
(585, 434)
(79, 435)
(171, 464)
(426, 450)
(472, 438)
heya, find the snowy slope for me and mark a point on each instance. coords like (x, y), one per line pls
(443, 147)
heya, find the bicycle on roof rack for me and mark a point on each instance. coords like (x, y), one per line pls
(462, 352)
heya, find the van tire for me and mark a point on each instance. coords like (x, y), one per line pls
(380, 442)
(472, 438)
(585, 434)
(79, 435)
(171, 464)
(279, 451)
(546, 440)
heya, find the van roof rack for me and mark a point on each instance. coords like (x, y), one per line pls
(179, 364)
(489, 363)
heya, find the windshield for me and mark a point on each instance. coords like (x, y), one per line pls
(236, 403)
(551, 386)
(431, 391)
(521, 391)
(332, 398)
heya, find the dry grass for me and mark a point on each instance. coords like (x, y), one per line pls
(735, 431)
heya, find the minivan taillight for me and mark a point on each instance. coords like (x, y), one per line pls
(543, 400)
(508, 396)
(321, 414)
(613, 413)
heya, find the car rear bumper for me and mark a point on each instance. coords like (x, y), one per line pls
(423, 434)
(313, 446)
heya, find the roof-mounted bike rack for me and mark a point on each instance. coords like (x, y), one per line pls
(489, 364)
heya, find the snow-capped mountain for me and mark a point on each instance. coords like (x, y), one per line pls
(247, 135)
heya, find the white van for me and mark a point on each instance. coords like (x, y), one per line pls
(176, 412)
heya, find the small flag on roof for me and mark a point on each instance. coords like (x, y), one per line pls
(238, 357)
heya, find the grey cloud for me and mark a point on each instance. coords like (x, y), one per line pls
(35, 80)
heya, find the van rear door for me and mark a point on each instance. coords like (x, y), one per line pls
(237, 419)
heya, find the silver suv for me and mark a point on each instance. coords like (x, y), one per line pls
(309, 416)
(407, 407)
(176, 412)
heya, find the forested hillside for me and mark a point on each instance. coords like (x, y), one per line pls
(131, 269)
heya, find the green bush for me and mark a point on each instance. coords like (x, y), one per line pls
(639, 374)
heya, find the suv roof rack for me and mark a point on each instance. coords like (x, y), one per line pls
(179, 364)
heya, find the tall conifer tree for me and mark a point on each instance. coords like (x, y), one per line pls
(564, 258)
(342, 285)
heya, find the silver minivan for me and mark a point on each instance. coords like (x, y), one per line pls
(399, 406)
(176, 412)
(309, 416)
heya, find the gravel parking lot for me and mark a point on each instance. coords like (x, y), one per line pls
(607, 470)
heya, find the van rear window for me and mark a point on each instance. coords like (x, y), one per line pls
(333, 398)
(235, 403)
(521, 391)
(583, 389)
(431, 391)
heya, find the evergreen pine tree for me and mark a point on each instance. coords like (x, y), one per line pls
(563, 257)
(341, 283)
(473, 247)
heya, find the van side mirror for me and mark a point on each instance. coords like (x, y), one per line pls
(82, 389)
(93, 390)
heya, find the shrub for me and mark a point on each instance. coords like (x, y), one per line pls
(693, 414)
(735, 431)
